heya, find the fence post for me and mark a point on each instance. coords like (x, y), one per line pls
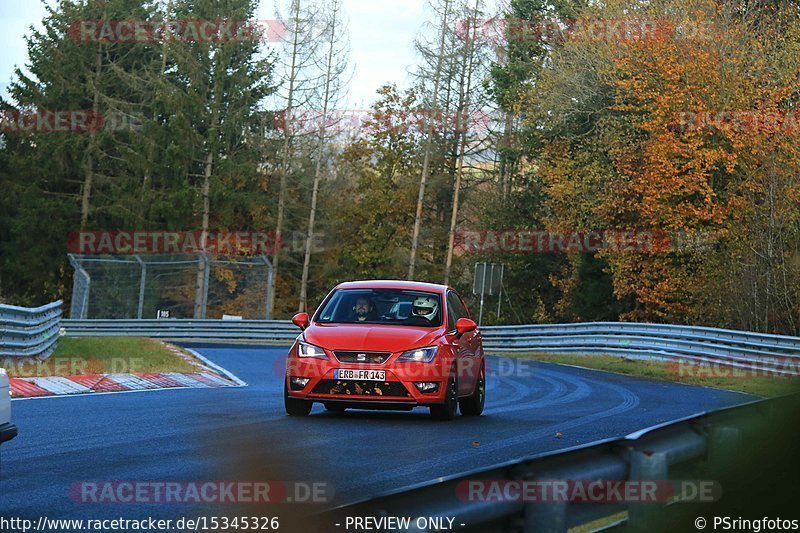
(80, 298)
(270, 292)
(206, 275)
(141, 286)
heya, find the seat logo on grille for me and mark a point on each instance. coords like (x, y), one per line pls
(361, 357)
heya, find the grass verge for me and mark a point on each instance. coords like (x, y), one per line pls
(717, 377)
(100, 355)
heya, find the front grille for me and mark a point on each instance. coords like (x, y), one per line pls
(375, 358)
(361, 388)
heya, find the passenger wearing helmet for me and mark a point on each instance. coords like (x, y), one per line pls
(424, 311)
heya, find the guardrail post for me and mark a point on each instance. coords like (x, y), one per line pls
(546, 517)
(723, 447)
(646, 466)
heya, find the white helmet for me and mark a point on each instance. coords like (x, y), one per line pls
(426, 306)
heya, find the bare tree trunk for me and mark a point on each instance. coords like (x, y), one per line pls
(464, 101)
(428, 142)
(312, 215)
(286, 156)
(200, 303)
(88, 168)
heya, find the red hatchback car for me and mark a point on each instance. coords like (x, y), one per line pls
(387, 345)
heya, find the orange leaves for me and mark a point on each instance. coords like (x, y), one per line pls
(695, 132)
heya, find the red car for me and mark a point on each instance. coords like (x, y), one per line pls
(387, 345)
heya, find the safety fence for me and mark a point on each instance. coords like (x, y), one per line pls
(754, 351)
(770, 353)
(29, 332)
(255, 331)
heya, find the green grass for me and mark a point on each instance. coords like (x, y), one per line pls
(703, 376)
(101, 355)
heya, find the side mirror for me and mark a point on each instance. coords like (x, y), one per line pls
(465, 325)
(300, 320)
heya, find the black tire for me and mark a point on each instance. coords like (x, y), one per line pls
(447, 410)
(295, 407)
(335, 408)
(473, 405)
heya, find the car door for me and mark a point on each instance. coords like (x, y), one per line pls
(467, 360)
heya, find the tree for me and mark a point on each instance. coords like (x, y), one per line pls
(301, 84)
(74, 179)
(335, 69)
(443, 29)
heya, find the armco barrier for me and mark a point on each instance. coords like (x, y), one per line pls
(707, 439)
(774, 353)
(257, 331)
(26, 332)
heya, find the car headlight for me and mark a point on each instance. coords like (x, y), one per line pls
(419, 355)
(310, 351)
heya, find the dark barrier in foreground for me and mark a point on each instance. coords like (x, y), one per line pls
(736, 459)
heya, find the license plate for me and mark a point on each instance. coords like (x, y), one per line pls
(359, 375)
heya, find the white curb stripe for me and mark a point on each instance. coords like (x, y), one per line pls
(133, 382)
(60, 385)
(189, 381)
(216, 379)
(214, 366)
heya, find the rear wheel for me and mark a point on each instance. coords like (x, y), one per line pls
(447, 410)
(473, 405)
(294, 406)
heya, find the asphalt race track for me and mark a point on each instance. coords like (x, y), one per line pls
(243, 433)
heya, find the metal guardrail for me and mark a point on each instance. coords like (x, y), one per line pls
(660, 453)
(29, 332)
(257, 331)
(771, 353)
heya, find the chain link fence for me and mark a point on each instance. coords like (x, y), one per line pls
(170, 286)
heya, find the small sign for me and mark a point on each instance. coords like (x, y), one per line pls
(163, 314)
(488, 278)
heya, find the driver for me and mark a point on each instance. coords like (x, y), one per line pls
(424, 311)
(365, 310)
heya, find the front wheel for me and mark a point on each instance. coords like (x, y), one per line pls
(447, 410)
(473, 405)
(294, 406)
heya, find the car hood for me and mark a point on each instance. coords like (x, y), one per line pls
(367, 337)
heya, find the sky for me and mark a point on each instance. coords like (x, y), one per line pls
(381, 34)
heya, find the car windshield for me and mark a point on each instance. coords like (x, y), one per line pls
(382, 306)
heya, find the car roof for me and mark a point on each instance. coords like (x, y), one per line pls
(394, 284)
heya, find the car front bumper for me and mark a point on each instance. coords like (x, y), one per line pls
(7, 432)
(399, 386)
